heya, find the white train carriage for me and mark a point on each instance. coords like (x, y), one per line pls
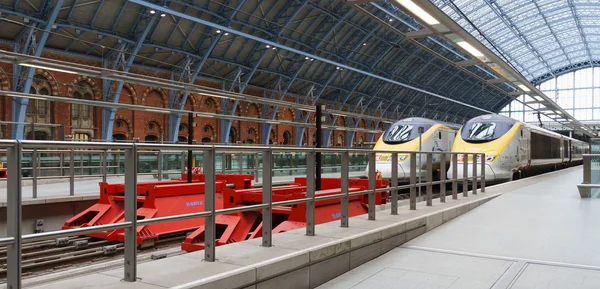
(403, 137)
(514, 148)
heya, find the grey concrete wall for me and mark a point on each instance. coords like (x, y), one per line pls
(54, 214)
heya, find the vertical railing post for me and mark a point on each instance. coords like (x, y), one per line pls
(34, 172)
(104, 165)
(394, 196)
(474, 180)
(160, 164)
(413, 181)
(267, 215)
(483, 173)
(241, 163)
(210, 231)
(223, 163)
(118, 162)
(62, 163)
(182, 162)
(256, 167)
(72, 172)
(345, 178)
(465, 175)
(455, 176)
(130, 245)
(587, 169)
(429, 177)
(372, 180)
(443, 177)
(13, 216)
(310, 193)
(81, 164)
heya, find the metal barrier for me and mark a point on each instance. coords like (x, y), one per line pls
(15, 150)
(73, 164)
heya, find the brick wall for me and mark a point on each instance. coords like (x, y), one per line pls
(136, 124)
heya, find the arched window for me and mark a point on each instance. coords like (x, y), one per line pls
(232, 135)
(340, 140)
(577, 92)
(182, 139)
(286, 137)
(38, 108)
(119, 137)
(206, 140)
(151, 138)
(81, 115)
(252, 135)
(38, 135)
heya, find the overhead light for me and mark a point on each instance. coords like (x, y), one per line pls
(163, 14)
(152, 11)
(524, 88)
(218, 31)
(364, 44)
(338, 68)
(312, 59)
(268, 46)
(418, 11)
(47, 68)
(226, 33)
(306, 58)
(391, 20)
(274, 47)
(469, 48)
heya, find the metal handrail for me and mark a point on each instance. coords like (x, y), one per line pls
(14, 222)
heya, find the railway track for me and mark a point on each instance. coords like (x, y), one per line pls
(52, 256)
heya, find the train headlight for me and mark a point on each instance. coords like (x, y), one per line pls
(490, 158)
(402, 157)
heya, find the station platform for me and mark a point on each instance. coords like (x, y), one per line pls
(540, 234)
(531, 233)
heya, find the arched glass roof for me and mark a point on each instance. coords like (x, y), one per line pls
(540, 38)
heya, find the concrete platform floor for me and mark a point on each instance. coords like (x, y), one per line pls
(538, 235)
(294, 261)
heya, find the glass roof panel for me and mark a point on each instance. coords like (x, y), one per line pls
(538, 37)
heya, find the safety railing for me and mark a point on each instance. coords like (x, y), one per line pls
(590, 187)
(72, 164)
(15, 149)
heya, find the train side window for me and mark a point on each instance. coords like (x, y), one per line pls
(440, 135)
(521, 133)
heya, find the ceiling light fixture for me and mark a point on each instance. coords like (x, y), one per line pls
(418, 11)
(524, 88)
(469, 48)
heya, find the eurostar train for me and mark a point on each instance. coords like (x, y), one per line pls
(403, 136)
(513, 148)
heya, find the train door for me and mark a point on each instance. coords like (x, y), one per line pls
(525, 147)
(449, 141)
(570, 145)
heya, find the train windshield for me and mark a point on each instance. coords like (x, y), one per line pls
(403, 132)
(484, 131)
